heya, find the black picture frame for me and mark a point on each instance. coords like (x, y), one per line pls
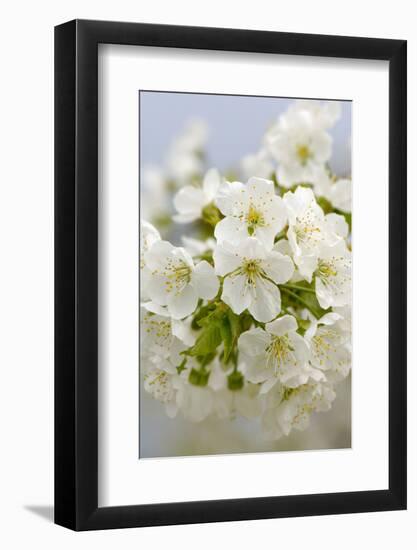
(76, 272)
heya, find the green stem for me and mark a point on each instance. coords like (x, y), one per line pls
(299, 299)
(297, 287)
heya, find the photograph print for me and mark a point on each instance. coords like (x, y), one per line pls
(245, 274)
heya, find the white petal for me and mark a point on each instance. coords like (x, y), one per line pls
(341, 195)
(337, 224)
(182, 304)
(287, 176)
(307, 264)
(260, 190)
(255, 369)
(278, 267)
(211, 184)
(283, 325)
(156, 257)
(236, 293)
(205, 281)
(254, 342)
(148, 234)
(189, 200)
(187, 218)
(155, 308)
(230, 229)
(182, 330)
(226, 259)
(252, 249)
(324, 294)
(298, 201)
(156, 289)
(232, 199)
(321, 145)
(329, 319)
(268, 384)
(266, 300)
(275, 213)
(283, 247)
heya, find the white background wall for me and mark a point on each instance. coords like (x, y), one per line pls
(26, 285)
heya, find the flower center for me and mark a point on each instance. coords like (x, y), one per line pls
(306, 228)
(254, 219)
(278, 352)
(159, 386)
(178, 275)
(252, 269)
(160, 329)
(303, 153)
(326, 270)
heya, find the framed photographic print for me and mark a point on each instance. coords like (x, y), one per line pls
(230, 338)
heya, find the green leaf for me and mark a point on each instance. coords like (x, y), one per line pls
(227, 337)
(207, 341)
(204, 311)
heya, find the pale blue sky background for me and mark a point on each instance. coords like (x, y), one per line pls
(236, 126)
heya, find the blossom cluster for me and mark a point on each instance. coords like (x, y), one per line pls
(253, 318)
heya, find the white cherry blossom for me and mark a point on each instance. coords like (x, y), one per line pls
(191, 200)
(251, 274)
(153, 180)
(195, 402)
(341, 195)
(184, 161)
(337, 225)
(333, 275)
(249, 209)
(337, 191)
(276, 354)
(176, 282)
(291, 408)
(307, 231)
(160, 384)
(257, 165)
(246, 401)
(328, 350)
(299, 141)
(148, 236)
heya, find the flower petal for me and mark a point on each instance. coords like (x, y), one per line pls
(283, 325)
(189, 200)
(254, 342)
(211, 184)
(278, 267)
(156, 257)
(232, 199)
(236, 293)
(226, 259)
(230, 229)
(181, 304)
(266, 300)
(205, 281)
